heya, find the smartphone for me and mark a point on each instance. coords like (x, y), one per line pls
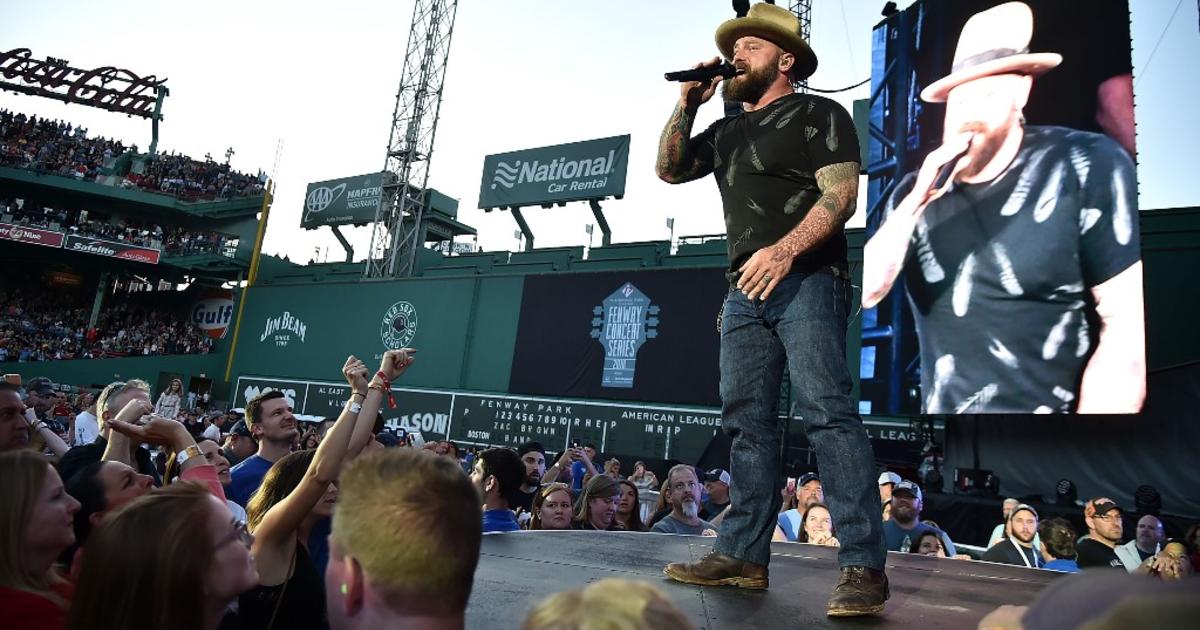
(574, 443)
(418, 440)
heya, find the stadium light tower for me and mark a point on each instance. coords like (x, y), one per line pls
(397, 229)
(803, 10)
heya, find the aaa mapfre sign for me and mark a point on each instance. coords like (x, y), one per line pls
(107, 87)
(115, 249)
(593, 169)
(350, 200)
(33, 236)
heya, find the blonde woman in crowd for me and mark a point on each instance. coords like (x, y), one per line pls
(35, 528)
(610, 603)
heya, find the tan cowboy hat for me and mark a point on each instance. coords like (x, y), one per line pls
(995, 41)
(774, 24)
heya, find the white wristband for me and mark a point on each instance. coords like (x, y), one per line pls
(354, 407)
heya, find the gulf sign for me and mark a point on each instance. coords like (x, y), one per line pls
(213, 312)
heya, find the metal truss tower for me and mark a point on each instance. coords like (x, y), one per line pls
(803, 10)
(396, 234)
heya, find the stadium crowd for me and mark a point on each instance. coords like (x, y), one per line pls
(61, 148)
(173, 240)
(41, 325)
(158, 515)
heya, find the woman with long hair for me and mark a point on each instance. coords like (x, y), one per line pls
(169, 401)
(816, 526)
(296, 494)
(629, 507)
(551, 507)
(928, 543)
(597, 507)
(35, 529)
(174, 558)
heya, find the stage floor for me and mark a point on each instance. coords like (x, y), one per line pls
(518, 570)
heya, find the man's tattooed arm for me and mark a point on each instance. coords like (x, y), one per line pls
(677, 161)
(839, 196)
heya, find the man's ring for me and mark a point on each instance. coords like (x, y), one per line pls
(766, 277)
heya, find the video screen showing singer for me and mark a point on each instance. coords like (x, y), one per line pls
(1023, 270)
(787, 170)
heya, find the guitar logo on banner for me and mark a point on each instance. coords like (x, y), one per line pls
(622, 324)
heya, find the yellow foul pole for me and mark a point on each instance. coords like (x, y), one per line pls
(255, 259)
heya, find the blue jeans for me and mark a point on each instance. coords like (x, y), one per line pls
(803, 323)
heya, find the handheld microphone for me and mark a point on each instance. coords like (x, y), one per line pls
(948, 168)
(704, 74)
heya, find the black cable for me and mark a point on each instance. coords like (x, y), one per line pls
(845, 89)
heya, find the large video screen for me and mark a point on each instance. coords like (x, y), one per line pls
(1002, 271)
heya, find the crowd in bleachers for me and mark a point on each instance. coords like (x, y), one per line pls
(173, 240)
(42, 323)
(61, 148)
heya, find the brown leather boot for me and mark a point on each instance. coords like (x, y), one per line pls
(860, 591)
(717, 569)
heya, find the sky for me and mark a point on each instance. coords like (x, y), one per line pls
(305, 91)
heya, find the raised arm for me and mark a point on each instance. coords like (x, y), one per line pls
(53, 442)
(839, 195)
(680, 157)
(885, 253)
(278, 527)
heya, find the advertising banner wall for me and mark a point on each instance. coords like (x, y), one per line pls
(591, 169)
(629, 335)
(308, 331)
(473, 418)
(349, 200)
(33, 236)
(114, 249)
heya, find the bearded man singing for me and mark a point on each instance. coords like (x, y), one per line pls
(787, 169)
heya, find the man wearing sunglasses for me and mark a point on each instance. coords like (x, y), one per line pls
(1105, 528)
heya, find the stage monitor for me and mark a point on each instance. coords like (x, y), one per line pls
(1002, 271)
(592, 169)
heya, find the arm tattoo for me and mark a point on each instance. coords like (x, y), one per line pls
(676, 164)
(839, 194)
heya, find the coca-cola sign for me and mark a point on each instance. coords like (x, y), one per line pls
(33, 236)
(115, 249)
(107, 87)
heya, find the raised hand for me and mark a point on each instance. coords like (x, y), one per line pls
(355, 373)
(134, 410)
(158, 430)
(693, 94)
(395, 362)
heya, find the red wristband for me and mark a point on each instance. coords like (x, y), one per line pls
(388, 387)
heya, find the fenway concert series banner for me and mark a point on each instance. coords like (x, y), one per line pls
(33, 236)
(646, 336)
(115, 249)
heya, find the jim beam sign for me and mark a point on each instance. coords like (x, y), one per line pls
(107, 87)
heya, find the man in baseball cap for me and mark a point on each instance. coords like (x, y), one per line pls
(239, 443)
(1105, 528)
(716, 484)
(887, 482)
(1018, 548)
(905, 526)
